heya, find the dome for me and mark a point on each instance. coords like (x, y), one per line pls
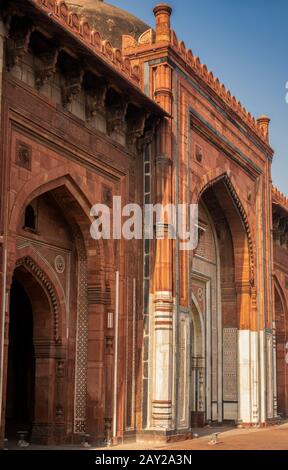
(111, 22)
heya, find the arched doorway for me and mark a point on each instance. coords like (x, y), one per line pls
(281, 354)
(222, 279)
(20, 404)
(198, 369)
(56, 247)
(32, 352)
(206, 324)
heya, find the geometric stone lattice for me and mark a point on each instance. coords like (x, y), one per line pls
(230, 364)
(81, 343)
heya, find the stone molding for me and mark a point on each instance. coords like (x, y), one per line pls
(40, 275)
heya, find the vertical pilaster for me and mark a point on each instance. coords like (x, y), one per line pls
(162, 412)
(162, 389)
(2, 238)
(248, 354)
(261, 302)
(2, 39)
(272, 404)
(268, 393)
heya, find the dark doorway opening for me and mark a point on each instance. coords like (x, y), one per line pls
(21, 364)
(281, 350)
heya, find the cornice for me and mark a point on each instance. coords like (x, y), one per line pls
(59, 12)
(279, 198)
(193, 66)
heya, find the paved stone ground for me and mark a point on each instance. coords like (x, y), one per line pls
(272, 438)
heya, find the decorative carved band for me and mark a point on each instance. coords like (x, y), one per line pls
(243, 215)
(80, 403)
(31, 266)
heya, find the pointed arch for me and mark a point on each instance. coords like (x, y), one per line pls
(198, 326)
(44, 182)
(210, 180)
(52, 292)
(96, 262)
(65, 180)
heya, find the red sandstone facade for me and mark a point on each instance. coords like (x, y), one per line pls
(131, 338)
(57, 159)
(223, 161)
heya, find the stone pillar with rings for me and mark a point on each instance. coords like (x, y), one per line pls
(162, 387)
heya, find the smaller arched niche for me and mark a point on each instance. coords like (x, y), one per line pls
(30, 218)
(205, 322)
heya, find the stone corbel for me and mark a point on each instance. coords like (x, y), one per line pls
(284, 233)
(95, 99)
(135, 129)
(116, 114)
(285, 240)
(276, 227)
(149, 131)
(72, 86)
(47, 68)
(280, 227)
(17, 45)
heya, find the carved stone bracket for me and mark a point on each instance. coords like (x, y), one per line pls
(72, 86)
(280, 229)
(284, 240)
(95, 99)
(136, 128)
(47, 68)
(147, 137)
(116, 114)
(17, 43)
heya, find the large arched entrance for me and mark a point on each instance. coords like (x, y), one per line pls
(222, 283)
(20, 405)
(206, 324)
(64, 287)
(281, 353)
(32, 353)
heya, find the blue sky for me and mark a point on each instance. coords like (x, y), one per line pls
(245, 44)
